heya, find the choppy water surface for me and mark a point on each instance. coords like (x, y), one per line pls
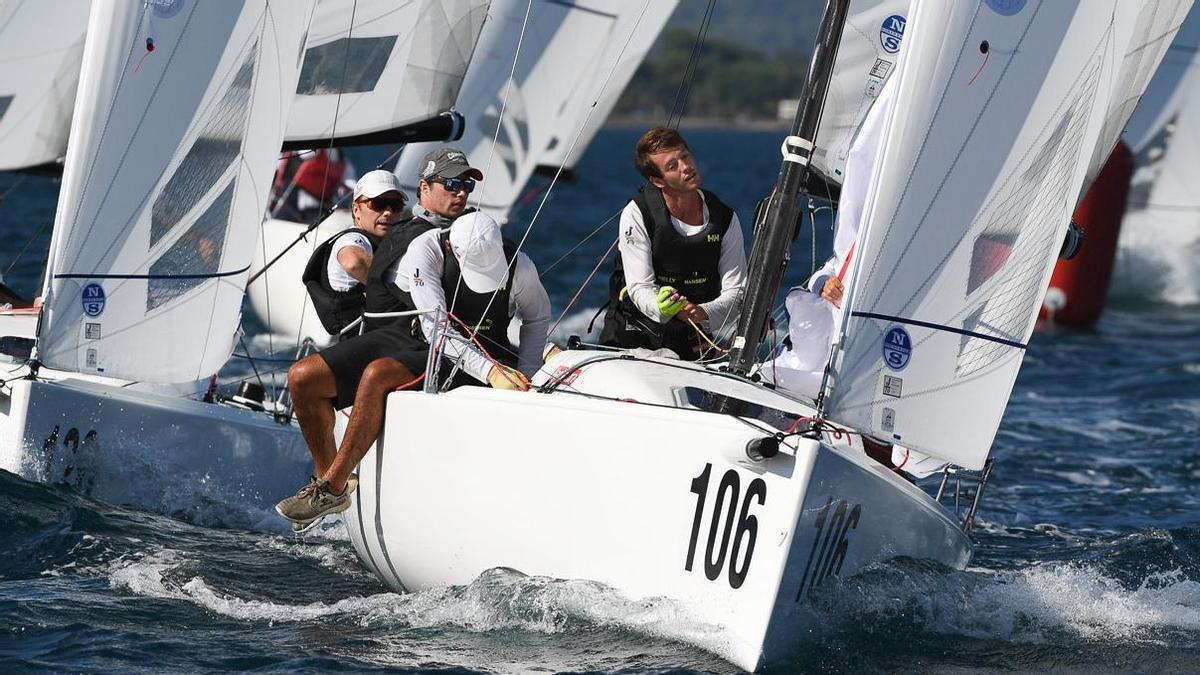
(1088, 541)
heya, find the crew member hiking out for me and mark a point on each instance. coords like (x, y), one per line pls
(363, 370)
(682, 265)
(336, 273)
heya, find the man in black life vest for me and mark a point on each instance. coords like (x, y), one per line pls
(336, 273)
(682, 265)
(363, 370)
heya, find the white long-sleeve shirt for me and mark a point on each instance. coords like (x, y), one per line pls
(637, 259)
(419, 273)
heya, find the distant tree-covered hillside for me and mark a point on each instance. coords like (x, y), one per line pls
(767, 25)
(731, 81)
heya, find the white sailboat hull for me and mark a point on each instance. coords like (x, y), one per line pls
(576, 487)
(151, 450)
(279, 298)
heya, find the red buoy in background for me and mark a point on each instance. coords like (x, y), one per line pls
(1079, 286)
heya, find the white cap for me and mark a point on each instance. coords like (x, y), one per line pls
(476, 241)
(375, 183)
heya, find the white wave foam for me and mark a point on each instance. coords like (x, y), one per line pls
(1033, 604)
(498, 600)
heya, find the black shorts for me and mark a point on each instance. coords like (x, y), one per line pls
(349, 358)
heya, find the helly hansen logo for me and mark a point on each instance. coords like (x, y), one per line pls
(713, 238)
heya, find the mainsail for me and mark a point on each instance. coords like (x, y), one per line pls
(373, 67)
(573, 54)
(866, 58)
(999, 107)
(176, 130)
(39, 70)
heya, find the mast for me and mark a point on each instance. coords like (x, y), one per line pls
(776, 226)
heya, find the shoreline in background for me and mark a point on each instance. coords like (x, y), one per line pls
(698, 122)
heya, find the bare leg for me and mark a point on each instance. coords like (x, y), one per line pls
(381, 377)
(314, 390)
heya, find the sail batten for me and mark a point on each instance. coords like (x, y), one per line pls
(175, 134)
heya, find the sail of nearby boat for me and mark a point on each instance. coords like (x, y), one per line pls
(1159, 250)
(569, 51)
(175, 133)
(954, 255)
(373, 68)
(39, 70)
(1143, 31)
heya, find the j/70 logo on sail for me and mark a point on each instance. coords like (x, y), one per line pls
(897, 348)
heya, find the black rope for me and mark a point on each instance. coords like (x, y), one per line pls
(689, 73)
(257, 375)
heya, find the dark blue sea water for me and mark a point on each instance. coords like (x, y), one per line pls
(1088, 540)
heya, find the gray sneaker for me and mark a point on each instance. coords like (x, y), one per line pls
(300, 527)
(315, 501)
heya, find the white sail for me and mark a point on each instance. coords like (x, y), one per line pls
(1143, 34)
(371, 66)
(39, 70)
(866, 58)
(573, 55)
(176, 130)
(999, 107)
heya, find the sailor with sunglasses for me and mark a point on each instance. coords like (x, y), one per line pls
(392, 353)
(336, 273)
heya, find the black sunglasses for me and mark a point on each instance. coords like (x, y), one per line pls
(382, 204)
(455, 184)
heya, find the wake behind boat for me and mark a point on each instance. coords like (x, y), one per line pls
(732, 500)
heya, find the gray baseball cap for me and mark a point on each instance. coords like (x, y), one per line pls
(447, 163)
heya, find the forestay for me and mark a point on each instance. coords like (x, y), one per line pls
(371, 66)
(866, 58)
(39, 69)
(176, 130)
(999, 107)
(564, 66)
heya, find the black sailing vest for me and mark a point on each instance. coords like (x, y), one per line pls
(382, 295)
(689, 263)
(491, 328)
(336, 309)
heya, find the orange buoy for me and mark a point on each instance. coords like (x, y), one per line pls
(1079, 286)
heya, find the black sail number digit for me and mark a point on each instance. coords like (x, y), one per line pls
(747, 527)
(728, 522)
(729, 482)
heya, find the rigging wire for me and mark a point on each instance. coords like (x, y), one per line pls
(509, 86)
(689, 72)
(570, 150)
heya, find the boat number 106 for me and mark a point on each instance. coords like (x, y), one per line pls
(731, 520)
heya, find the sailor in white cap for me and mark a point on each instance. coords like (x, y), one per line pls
(484, 282)
(336, 273)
